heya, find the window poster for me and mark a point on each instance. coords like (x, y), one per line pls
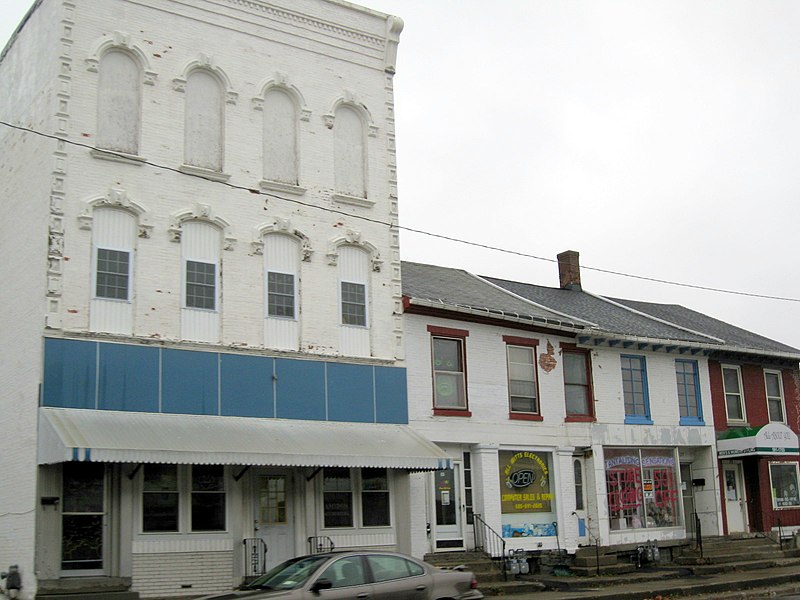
(785, 492)
(526, 496)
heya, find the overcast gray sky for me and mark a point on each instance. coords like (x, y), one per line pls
(659, 139)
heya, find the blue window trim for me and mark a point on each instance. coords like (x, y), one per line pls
(698, 420)
(646, 418)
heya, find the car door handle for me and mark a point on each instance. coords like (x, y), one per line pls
(420, 588)
(363, 595)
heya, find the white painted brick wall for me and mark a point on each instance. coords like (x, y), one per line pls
(488, 394)
(46, 183)
(182, 573)
(25, 184)
(323, 74)
(489, 423)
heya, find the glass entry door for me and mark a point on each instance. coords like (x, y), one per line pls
(735, 498)
(274, 518)
(687, 492)
(449, 508)
(83, 518)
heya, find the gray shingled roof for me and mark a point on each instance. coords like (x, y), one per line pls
(607, 316)
(453, 288)
(732, 336)
(458, 289)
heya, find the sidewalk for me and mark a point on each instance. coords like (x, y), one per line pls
(736, 584)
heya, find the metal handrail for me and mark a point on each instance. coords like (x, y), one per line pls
(698, 534)
(255, 557)
(318, 544)
(488, 541)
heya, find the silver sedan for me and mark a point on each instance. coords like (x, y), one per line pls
(358, 575)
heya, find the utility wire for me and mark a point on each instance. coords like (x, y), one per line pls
(440, 236)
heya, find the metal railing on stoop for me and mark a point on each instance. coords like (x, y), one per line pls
(698, 534)
(491, 543)
(255, 557)
(317, 544)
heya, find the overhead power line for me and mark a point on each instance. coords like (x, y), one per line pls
(440, 236)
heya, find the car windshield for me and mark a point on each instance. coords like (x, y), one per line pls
(288, 575)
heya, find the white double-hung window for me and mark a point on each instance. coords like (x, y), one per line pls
(200, 245)
(281, 280)
(113, 242)
(734, 395)
(775, 403)
(354, 270)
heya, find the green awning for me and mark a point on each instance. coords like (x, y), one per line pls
(766, 440)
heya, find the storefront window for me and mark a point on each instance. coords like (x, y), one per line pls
(337, 497)
(527, 499)
(374, 497)
(783, 476)
(642, 488)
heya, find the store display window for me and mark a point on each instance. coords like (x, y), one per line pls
(784, 480)
(643, 488)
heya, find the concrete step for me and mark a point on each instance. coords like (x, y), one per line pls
(605, 570)
(90, 596)
(670, 584)
(511, 587)
(592, 560)
(441, 559)
(749, 565)
(720, 557)
(729, 557)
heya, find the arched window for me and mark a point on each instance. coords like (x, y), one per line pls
(200, 246)
(113, 241)
(119, 101)
(281, 277)
(349, 153)
(353, 280)
(354, 314)
(204, 121)
(280, 137)
(578, 468)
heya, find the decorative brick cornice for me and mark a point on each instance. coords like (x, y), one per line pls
(326, 27)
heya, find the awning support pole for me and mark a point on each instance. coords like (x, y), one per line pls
(241, 473)
(133, 473)
(314, 474)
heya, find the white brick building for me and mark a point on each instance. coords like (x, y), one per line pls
(206, 341)
(570, 419)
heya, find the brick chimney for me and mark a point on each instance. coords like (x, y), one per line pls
(569, 270)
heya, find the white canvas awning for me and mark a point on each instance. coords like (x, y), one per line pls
(131, 437)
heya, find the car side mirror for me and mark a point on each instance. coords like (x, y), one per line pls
(321, 584)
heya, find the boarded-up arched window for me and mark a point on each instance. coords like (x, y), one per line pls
(119, 103)
(280, 137)
(204, 121)
(349, 155)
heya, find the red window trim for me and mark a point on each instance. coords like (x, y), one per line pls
(520, 341)
(448, 331)
(513, 340)
(515, 416)
(460, 335)
(573, 349)
(580, 419)
(452, 412)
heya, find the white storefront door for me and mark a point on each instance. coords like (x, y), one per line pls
(735, 497)
(274, 515)
(448, 494)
